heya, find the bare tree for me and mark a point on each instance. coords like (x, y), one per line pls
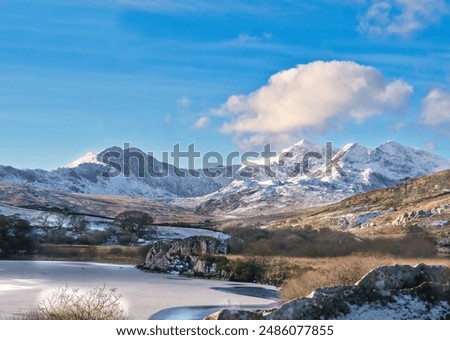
(61, 221)
(133, 224)
(78, 224)
(99, 303)
(42, 221)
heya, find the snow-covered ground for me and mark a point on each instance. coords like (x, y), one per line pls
(97, 223)
(26, 214)
(24, 283)
(35, 217)
(164, 232)
(402, 308)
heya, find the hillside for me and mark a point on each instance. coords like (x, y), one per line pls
(29, 203)
(416, 206)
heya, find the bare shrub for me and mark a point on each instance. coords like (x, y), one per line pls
(325, 242)
(99, 303)
(248, 270)
(409, 246)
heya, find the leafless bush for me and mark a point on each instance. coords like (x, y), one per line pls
(99, 303)
(324, 242)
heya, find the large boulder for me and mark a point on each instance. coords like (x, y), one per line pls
(403, 277)
(193, 256)
(387, 292)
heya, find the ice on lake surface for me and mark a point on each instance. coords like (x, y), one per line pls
(24, 283)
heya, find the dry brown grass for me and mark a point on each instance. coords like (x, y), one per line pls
(308, 274)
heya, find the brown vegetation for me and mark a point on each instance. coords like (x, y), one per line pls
(324, 242)
(308, 274)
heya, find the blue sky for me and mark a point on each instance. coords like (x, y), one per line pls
(79, 76)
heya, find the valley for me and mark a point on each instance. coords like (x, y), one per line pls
(389, 205)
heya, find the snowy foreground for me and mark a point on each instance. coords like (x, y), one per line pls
(24, 283)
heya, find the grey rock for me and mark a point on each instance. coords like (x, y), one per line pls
(234, 314)
(404, 277)
(196, 256)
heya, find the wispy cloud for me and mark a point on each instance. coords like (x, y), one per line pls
(401, 17)
(199, 6)
(164, 5)
(397, 127)
(184, 102)
(201, 123)
(244, 37)
(310, 97)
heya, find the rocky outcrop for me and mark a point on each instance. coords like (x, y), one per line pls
(388, 292)
(193, 256)
(436, 211)
(408, 216)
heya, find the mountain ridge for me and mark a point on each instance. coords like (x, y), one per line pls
(300, 176)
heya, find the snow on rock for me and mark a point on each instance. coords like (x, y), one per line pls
(404, 307)
(354, 220)
(402, 219)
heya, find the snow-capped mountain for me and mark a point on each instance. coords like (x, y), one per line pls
(91, 175)
(304, 174)
(386, 165)
(89, 158)
(315, 180)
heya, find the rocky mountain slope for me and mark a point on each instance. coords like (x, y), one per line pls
(351, 170)
(419, 206)
(31, 203)
(90, 175)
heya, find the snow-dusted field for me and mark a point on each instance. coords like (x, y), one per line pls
(24, 283)
(163, 232)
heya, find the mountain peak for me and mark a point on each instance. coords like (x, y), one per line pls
(90, 157)
(354, 153)
(392, 147)
(303, 146)
(303, 142)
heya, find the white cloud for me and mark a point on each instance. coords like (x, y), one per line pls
(245, 38)
(309, 97)
(191, 6)
(397, 127)
(436, 108)
(162, 6)
(184, 102)
(201, 122)
(401, 17)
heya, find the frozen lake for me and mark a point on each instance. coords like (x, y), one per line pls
(24, 283)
